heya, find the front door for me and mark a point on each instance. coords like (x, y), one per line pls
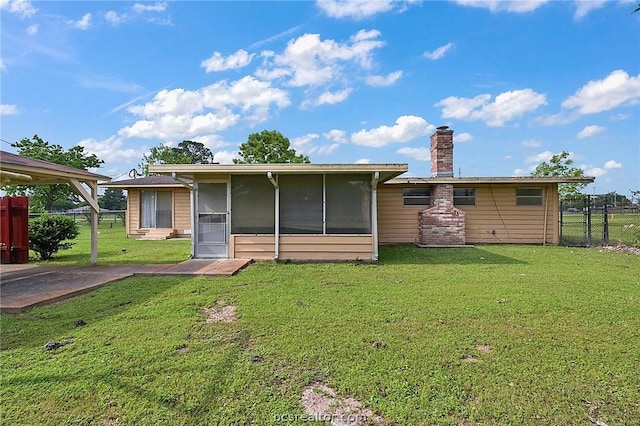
(212, 233)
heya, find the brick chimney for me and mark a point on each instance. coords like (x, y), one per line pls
(442, 225)
(442, 152)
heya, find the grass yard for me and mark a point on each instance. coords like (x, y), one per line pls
(624, 228)
(115, 248)
(486, 335)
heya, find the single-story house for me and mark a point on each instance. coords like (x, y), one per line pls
(158, 207)
(340, 211)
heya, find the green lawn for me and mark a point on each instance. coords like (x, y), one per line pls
(624, 228)
(115, 248)
(563, 325)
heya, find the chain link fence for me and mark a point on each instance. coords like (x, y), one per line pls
(595, 220)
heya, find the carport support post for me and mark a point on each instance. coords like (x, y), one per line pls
(94, 224)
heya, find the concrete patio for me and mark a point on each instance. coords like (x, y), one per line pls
(25, 286)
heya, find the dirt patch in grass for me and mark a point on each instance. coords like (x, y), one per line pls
(322, 403)
(484, 349)
(220, 312)
(469, 358)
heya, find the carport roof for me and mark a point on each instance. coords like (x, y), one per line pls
(15, 168)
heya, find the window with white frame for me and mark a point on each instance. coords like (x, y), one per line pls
(529, 196)
(416, 196)
(464, 196)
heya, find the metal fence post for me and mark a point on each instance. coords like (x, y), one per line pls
(605, 223)
(588, 210)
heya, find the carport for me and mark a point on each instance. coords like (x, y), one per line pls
(20, 170)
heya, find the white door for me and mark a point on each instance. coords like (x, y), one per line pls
(212, 230)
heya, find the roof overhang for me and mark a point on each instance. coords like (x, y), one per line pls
(42, 172)
(490, 180)
(192, 171)
(145, 182)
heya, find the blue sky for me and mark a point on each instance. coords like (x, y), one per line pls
(345, 81)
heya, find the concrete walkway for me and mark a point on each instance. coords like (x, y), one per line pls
(25, 286)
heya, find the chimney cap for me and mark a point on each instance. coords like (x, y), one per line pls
(442, 127)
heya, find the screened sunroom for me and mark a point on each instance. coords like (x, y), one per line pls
(284, 211)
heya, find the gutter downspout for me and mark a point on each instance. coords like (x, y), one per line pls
(374, 213)
(276, 237)
(192, 202)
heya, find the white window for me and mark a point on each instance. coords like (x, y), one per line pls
(416, 196)
(464, 196)
(528, 196)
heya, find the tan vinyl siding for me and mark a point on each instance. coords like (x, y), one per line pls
(303, 247)
(495, 210)
(181, 210)
(396, 223)
(133, 211)
(258, 247)
(326, 247)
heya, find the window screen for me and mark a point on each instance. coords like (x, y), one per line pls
(464, 196)
(348, 208)
(416, 196)
(252, 205)
(528, 196)
(300, 204)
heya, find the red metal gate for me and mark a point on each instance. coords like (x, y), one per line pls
(14, 229)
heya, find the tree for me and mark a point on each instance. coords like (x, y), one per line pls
(187, 152)
(58, 196)
(560, 165)
(113, 199)
(47, 234)
(269, 146)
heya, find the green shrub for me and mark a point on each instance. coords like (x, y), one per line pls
(47, 234)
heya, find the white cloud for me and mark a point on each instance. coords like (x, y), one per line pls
(304, 144)
(83, 23)
(329, 98)
(593, 171)
(310, 61)
(383, 80)
(210, 141)
(516, 6)
(583, 7)
(618, 88)
(180, 113)
(24, 8)
(111, 150)
(8, 109)
(506, 106)
(2, 65)
(531, 143)
(407, 127)
(108, 83)
(590, 131)
(620, 117)
(421, 154)
(538, 158)
(359, 9)
(335, 135)
(526, 171)
(225, 157)
(114, 18)
(32, 29)
(439, 52)
(463, 137)
(217, 62)
(157, 7)
(328, 149)
(363, 161)
(612, 164)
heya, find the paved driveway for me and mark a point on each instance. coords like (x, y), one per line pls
(26, 286)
